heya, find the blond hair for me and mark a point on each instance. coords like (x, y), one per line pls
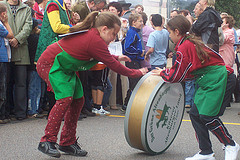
(211, 3)
(133, 18)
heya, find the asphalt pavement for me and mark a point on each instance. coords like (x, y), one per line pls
(103, 137)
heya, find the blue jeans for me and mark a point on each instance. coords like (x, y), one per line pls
(107, 93)
(34, 92)
(189, 92)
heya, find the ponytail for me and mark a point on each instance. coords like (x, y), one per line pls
(96, 19)
(183, 25)
(87, 23)
(200, 47)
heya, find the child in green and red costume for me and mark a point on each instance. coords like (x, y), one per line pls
(57, 66)
(208, 68)
(55, 22)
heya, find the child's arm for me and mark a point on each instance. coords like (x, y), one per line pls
(10, 33)
(147, 56)
(4, 20)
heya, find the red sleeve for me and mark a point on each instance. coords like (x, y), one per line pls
(102, 54)
(52, 7)
(179, 70)
(229, 70)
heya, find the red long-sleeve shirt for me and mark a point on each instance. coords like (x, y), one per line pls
(187, 61)
(87, 46)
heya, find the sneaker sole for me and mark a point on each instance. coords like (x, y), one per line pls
(73, 154)
(51, 155)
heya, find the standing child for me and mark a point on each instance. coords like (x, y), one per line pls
(207, 66)
(158, 43)
(5, 57)
(98, 80)
(34, 81)
(57, 66)
(132, 47)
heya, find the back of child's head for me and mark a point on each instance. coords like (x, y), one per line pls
(133, 18)
(144, 17)
(180, 23)
(96, 19)
(157, 20)
(3, 7)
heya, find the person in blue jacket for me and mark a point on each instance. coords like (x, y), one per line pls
(132, 47)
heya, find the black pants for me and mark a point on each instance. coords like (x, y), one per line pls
(202, 124)
(231, 83)
(83, 75)
(132, 81)
(18, 89)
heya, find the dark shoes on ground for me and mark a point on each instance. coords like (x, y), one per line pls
(73, 149)
(88, 113)
(124, 107)
(49, 149)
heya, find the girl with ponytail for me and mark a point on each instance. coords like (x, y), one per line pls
(195, 60)
(57, 66)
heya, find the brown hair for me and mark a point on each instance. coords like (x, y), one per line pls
(184, 12)
(96, 19)
(144, 17)
(3, 7)
(229, 20)
(139, 5)
(183, 25)
(133, 18)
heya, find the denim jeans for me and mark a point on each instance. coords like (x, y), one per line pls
(34, 92)
(107, 93)
(189, 92)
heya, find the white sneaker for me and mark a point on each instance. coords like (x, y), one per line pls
(103, 112)
(96, 111)
(202, 157)
(231, 152)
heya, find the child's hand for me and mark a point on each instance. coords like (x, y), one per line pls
(144, 70)
(157, 71)
(124, 58)
(142, 53)
(147, 57)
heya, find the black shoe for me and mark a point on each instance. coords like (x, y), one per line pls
(124, 107)
(49, 149)
(81, 116)
(88, 113)
(73, 149)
